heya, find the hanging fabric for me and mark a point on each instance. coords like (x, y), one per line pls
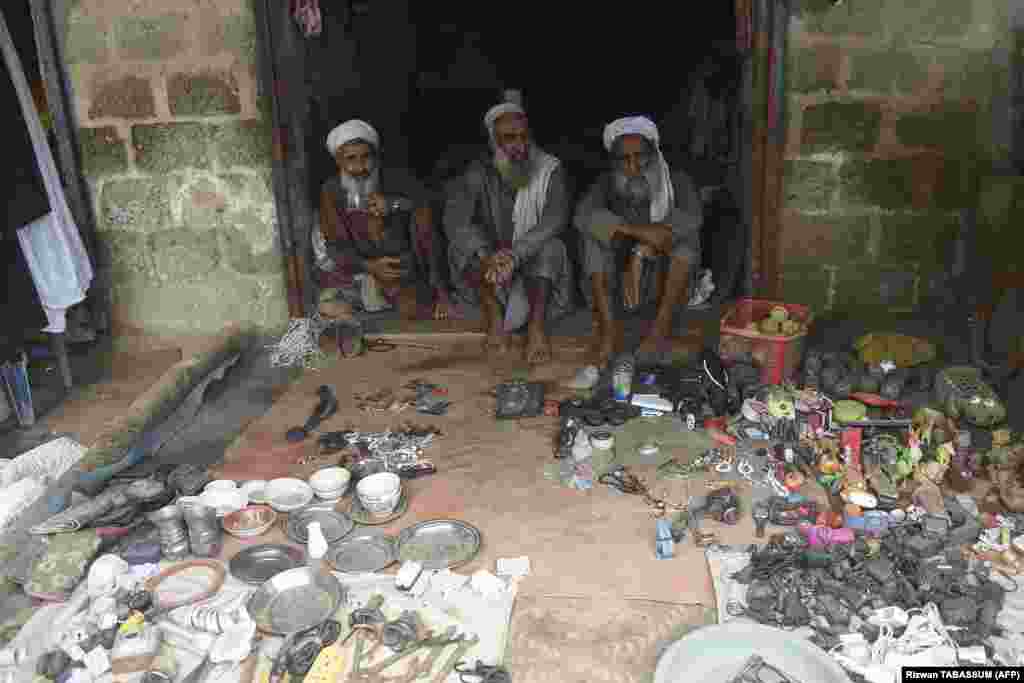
(307, 16)
(51, 243)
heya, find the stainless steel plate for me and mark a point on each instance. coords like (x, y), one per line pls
(295, 600)
(259, 563)
(363, 553)
(439, 543)
(335, 525)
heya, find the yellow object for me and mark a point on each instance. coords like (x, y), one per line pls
(779, 313)
(903, 350)
(770, 326)
(133, 624)
(327, 667)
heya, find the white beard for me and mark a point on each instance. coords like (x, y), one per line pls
(361, 186)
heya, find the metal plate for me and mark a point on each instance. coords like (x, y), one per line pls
(260, 563)
(439, 543)
(335, 525)
(363, 553)
(295, 600)
(360, 516)
(717, 653)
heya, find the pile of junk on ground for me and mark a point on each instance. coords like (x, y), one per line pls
(883, 486)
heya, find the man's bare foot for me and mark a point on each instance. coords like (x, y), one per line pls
(538, 347)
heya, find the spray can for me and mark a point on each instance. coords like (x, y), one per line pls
(622, 377)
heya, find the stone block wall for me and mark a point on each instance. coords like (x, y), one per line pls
(889, 131)
(176, 145)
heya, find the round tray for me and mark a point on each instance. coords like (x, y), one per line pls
(439, 543)
(260, 563)
(363, 553)
(335, 525)
(294, 601)
(360, 516)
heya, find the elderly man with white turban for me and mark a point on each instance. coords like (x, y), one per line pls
(503, 218)
(376, 234)
(651, 216)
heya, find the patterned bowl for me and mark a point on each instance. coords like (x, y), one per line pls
(250, 521)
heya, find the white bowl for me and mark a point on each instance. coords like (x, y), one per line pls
(224, 501)
(287, 494)
(380, 486)
(255, 490)
(220, 485)
(330, 481)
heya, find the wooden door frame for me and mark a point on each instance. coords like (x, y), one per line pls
(762, 28)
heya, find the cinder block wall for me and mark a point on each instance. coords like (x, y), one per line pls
(176, 145)
(890, 130)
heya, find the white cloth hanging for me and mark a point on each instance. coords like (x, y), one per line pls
(52, 245)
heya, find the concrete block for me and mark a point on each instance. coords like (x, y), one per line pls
(235, 34)
(242, 258)
(821, 239)
(806, 284)
(888, 71)
(162, 148)
(242, 143)
(840, 126)
(813, 69)
(809, 185)
(86, 39)
(183, 255)
(923, 238)
(155, 38)
(204, 204)
(952, 129)
(203, 94)
(129, 256)
(190, 307)
(129, 97)
(103, 152)
(136, 204)
(929, 21)
(860, 286)
(886, 183)
(862, 18)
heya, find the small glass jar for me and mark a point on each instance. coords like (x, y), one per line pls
(204, 530)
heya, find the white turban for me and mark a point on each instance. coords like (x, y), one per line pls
(630, 125)
(499, 110)
(349, 131)
(664, 196)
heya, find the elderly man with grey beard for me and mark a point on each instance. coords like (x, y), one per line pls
(503, 217)
(639, 206)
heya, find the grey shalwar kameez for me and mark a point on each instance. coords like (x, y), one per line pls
(478, 220)
(602, 210)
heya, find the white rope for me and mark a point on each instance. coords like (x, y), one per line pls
(300, 345)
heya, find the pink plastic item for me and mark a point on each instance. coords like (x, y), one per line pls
(818, 535)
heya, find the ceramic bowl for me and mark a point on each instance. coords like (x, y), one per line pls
(256, 491)
(220, 485)
(225, 501)
(379, 493)
(250, 521)
(288, 494)
(330, 482)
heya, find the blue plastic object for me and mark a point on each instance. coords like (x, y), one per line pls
(664, 546)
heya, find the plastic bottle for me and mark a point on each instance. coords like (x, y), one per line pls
(622, 377)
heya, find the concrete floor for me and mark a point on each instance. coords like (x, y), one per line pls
(550, 634)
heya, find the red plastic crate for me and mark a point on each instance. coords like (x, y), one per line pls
(776, 355)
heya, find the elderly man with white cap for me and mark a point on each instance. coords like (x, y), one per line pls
(503, 218)
(376, 234)
(651, 216)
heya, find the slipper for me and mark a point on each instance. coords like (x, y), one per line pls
(585, 379)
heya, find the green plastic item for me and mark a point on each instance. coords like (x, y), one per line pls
(849, 411)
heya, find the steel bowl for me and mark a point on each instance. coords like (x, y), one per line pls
(296, 600)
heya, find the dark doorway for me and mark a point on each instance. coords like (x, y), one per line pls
(424, 74)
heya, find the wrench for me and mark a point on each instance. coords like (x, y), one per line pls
(455, 658)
